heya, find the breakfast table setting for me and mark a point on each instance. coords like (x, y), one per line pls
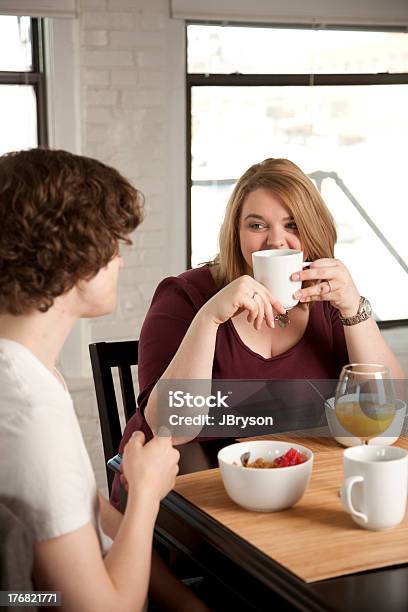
(304, 518)
(299, 536)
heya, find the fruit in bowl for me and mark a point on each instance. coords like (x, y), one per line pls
(266, 490)
(291, 457)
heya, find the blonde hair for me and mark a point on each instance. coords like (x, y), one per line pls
(286, 181)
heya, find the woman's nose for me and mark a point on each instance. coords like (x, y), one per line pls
(275, 239)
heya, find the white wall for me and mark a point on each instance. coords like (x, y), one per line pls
(132, 69)
(132, 116)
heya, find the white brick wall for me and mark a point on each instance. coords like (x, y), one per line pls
(132, 65)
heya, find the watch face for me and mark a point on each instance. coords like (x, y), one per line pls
(367, 307)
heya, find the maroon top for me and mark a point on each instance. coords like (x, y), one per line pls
(319, 354)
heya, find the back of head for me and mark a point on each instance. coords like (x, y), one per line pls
(296, 191)
(62, 217)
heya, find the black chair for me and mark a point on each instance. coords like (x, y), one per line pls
(123, 355)
(104, 357)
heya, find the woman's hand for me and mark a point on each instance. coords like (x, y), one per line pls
(244, 293)
(333, 283)
(151, 467)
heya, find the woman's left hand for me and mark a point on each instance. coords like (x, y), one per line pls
(333, 283)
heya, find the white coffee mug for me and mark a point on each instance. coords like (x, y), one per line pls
(273, 268)
(375, 488)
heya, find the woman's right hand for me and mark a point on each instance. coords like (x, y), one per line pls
(244, 293)
(150, 467)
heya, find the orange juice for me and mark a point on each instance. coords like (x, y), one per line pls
(365, 419)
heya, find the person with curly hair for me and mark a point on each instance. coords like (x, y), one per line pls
(62, 219)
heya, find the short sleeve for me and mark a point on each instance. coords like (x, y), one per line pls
(174, 306)
(50, 466)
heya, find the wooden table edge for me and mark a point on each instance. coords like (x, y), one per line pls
(262, 567)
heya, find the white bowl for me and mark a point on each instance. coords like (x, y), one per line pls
(264, 490)
(345, 438)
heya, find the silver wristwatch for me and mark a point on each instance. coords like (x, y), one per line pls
(364, 312)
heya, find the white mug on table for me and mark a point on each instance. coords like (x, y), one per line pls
(273, 268)
(375, 488)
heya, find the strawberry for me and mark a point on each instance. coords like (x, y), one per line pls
(291, 457)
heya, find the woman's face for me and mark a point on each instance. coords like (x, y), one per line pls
(266, 223)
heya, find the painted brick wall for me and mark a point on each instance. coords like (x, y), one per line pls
(132, 117)
(123, 92)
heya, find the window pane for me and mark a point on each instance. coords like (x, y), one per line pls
(15, 43)
(249, 50)
(18, 118)
(360, 133)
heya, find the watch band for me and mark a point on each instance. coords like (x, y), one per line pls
(362, 314)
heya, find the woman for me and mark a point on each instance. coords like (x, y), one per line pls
(218, 322)
(62, 218)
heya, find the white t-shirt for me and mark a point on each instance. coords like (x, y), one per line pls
(46, 475)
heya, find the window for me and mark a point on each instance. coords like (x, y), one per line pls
(332, 101)
(22, 84)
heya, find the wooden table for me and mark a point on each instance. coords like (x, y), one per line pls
(255, 579)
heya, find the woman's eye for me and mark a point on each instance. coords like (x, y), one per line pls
(257, 226)
(292, 226)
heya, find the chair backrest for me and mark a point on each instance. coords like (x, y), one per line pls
(104, 357)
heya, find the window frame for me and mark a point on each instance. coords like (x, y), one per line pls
(283, 80)
(34, 77)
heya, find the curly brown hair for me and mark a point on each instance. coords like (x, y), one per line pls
(62, 217)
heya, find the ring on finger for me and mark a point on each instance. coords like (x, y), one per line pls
(330, 286)
(254, 294)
